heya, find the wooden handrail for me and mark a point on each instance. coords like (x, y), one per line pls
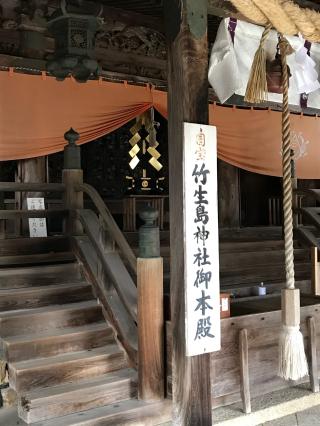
(111, 225)
(313, 193)
(111, 263)
(13, 214)
(31, 187)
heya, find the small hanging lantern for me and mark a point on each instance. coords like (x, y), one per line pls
(274, 74)
(74, 33)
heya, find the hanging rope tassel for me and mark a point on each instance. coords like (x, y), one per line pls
(257, 88)
(292, 359)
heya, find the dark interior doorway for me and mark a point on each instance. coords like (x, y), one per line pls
(257, 195)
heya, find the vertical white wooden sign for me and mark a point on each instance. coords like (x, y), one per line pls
(37, 226)
(202, 287)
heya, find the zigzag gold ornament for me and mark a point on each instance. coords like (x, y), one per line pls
(149, 124)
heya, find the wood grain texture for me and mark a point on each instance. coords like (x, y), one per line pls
(111, 262)
(64, 368)
(80, 396)
(315, 271)
(150, 329)
(244, 370)
(72, 199)
(228, 195)
(113, 308)
(314, 377)
(111, 226)
(39, 320)
(187, 102)
(263, 331)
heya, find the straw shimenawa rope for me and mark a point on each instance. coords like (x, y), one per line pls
(257, 87)
(293, 364)
(285, 49)
(285, 16)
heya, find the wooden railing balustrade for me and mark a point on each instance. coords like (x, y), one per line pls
(13, 214)
(304, 216)
(115, 272)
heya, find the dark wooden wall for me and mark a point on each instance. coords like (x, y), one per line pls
(105, 161)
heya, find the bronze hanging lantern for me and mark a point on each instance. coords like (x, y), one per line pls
(274, 74)
(74, 31)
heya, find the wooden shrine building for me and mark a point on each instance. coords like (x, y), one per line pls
(99, 100)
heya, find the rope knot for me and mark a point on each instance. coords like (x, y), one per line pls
(285, 47)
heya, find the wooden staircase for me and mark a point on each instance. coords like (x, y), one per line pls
(62, 355)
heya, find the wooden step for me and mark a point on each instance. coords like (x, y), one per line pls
(21, 348)
(35, 297)
(76, 397)
(260, 257)
(37, 320)
(22, 246)
(250, 246)
(258, 233)
(36, 259)
(39, 275)
(254, 275)
(131, 412)
(44, 372)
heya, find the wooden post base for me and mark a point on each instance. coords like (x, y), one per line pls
(150, 329)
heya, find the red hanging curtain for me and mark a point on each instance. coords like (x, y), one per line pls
(36, 111)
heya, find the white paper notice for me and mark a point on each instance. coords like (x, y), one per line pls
(202, 287)
(37, 226)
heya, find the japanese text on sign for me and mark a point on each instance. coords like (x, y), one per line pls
(37, 226)
(202, 288)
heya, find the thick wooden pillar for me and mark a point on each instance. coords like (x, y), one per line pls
(186, 28)
(228, 195)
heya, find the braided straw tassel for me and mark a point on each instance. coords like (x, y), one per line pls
(257, 87)
(292, 359)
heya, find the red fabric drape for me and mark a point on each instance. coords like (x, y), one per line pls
(36, 111)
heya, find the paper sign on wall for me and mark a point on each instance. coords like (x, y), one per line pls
(37, 226)
(202, 287)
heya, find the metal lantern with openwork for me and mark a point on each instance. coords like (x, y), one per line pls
(74, 35)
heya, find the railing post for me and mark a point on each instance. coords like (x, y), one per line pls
(108, 246)
(315, 272)
(150, 310)
(72, 176)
